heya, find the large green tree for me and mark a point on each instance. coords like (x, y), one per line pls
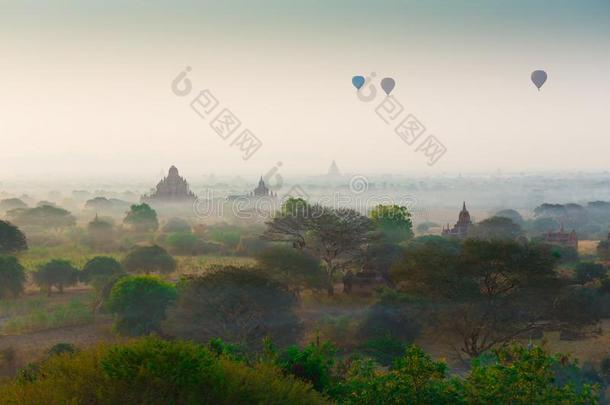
(12, 240)
(393, 221)
(297, 269)
(139, 303)
(486, 292)
(149, 259)
(239, 305)
(44, 216)
(336, 236)
(495, 228)
(56, 273)
(142, 218)
(12, 277)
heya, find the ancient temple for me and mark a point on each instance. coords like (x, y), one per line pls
(562, 238)
(333, 170)
(262, 190)
(172, 188)
(460, 229)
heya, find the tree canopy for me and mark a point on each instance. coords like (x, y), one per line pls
(56, 273)
(393, 221)
(139, 303)
(142, 218)
(12, 277)
(149, 259)
(12, 240)
(238, 305)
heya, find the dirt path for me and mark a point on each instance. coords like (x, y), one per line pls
(34, 346)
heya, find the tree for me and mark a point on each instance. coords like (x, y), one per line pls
(294, 268)
(12, 204)
(393, 221)
(12, 277)
(586, 272)
(238, 305)
(523, 376)
(56, 273)
(100, 233)
(603, 250)
(139, 303)
(45, 216)
(12, 240)
(495, 228)
(100, 270)
(488, 292)
(575, 309)
(147, 259)
(142, 218)
(177, 225)
(513, 215)
(337, 237)
(183, 243)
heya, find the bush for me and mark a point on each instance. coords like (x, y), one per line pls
(56, 273)
(152, 371)
(389, 326)
(147, 259)
(139, 303)
(61, 348)
(603, 250)
(587, 272)
(312, 363)
(12, 277)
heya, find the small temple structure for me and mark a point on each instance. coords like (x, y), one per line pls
(262, 190)
(562, 238)
(333, 170)
(460, 229)
(172, 188)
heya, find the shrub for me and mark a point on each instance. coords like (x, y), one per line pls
(312, 363)
(152, 371)
(61, 348)
(139, 303)
(587, 272)
(12, 277)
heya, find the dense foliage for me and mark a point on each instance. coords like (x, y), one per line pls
(139, 303)
(149, 259)
(238, 305)
(12, 240)
(12, 277)
(56, 273)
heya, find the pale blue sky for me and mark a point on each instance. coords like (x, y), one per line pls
(86, 84)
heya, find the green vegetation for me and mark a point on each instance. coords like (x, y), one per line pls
(56, 273)
(149, 259)
(142, 218)
(12, 240)
(139, 303)
(155, 371)
(12, 277)
(238, 305)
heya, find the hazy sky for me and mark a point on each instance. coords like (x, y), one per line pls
(86, 86)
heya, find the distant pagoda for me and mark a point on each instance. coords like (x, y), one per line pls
(262, 190)
(460, 229)
(172, 188)
(333, 170)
